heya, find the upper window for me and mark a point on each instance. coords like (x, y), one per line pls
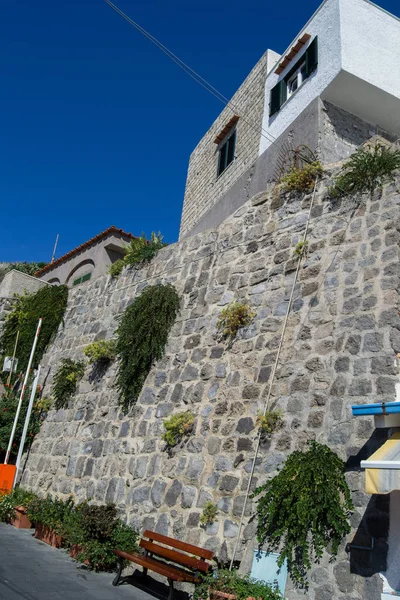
(227, 153)
(82, 279)
(296, 76)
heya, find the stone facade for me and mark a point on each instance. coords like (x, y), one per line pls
(342, 333)
(203, 187)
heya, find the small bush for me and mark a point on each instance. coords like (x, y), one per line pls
(44, 404)
(300, 248)
(209, 514)
(302, 180)
(51, 512)
(231, 582)
(269, 422)
(365, 170)
(141, 250)
(232, 318)
(177, 426)
(116, 268)
(102, 351)
(66, 380)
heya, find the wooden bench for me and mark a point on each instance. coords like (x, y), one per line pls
(166, 558)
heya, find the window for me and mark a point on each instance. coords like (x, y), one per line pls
(227, 153)
(293, 80)
(82, 279)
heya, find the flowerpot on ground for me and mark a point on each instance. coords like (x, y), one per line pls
(21, 521)
(75, 550)
(48, 535)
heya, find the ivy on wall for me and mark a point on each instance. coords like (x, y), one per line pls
(305, 508)
(141, 337)
(66, 380)
(49, 303)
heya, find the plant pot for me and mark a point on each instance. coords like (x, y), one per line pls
(216, 595)
(75, 550)
(48, 535)
(21, 521)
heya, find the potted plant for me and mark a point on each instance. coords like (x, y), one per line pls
(93, 532)
(13, 508)
(49, 515)
(231, 585)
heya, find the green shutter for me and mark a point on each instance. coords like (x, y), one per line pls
(278, 97)
(312, 56)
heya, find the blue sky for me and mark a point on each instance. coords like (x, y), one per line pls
(97, 125)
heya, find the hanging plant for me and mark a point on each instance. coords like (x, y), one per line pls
(305, 508)
(233, 317)
(49, 303)
(141, 337)
(66, 380)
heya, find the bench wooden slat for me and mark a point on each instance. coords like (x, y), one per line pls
(163, 539)
(175, 556)
(154, 565)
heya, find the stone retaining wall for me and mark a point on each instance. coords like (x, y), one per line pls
(338, 350)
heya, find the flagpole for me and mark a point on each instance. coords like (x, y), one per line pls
(10, 443)
(26, 424)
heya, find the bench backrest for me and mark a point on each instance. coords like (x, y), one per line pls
(172, 553)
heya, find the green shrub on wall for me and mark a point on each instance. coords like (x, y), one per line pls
(141, 250)
(177, 427)
(102, 351)
(66, 380)
(305, 508)
(365, 170)
(49, 303)
(141, 337)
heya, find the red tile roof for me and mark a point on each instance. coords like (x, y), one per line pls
(84, 246)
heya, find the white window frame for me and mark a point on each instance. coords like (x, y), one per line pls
(299, 76)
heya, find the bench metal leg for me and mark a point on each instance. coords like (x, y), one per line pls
(119, 572)
(171, 589)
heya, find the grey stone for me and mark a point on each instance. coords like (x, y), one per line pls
(140, 494)
(231, 529)
(193, 520)
(164, 410)
(342, 364)
(228, 483)
(223, 463)
(188, 496)
(157, 492)
(190, 373)
(195, 468)
(173, 493)
(245, 425)
(220, 370)
(162, 524)
(386, 386)
(373, 342)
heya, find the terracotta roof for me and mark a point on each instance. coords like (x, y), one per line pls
(82, 247)
(292, 53)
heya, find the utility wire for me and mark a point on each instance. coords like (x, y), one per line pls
(206, 85)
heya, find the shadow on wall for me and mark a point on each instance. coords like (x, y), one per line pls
(368, 549)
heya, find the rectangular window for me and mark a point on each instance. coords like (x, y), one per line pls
(82, 279)
(296, 76)
(227, 153)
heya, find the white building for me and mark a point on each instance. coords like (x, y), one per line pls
(336, 85)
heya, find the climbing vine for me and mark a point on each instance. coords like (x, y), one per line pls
(49, 303)
(305, 508)
(141, 337)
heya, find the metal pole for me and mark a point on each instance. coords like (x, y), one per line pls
(55, 248)
(13, 360)
(10, 443)
(26, 424)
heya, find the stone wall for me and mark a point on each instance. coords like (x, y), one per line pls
(338, 350)
(203, 186)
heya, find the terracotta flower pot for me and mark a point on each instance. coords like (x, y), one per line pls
(21, 521)
(47, 535)
(217, 595)
(75, 550)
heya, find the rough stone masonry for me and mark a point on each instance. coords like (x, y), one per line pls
(343, 333)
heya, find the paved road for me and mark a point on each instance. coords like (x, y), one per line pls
(32, 570)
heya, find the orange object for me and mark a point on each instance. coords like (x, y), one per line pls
(7, 476)
(21, 521)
